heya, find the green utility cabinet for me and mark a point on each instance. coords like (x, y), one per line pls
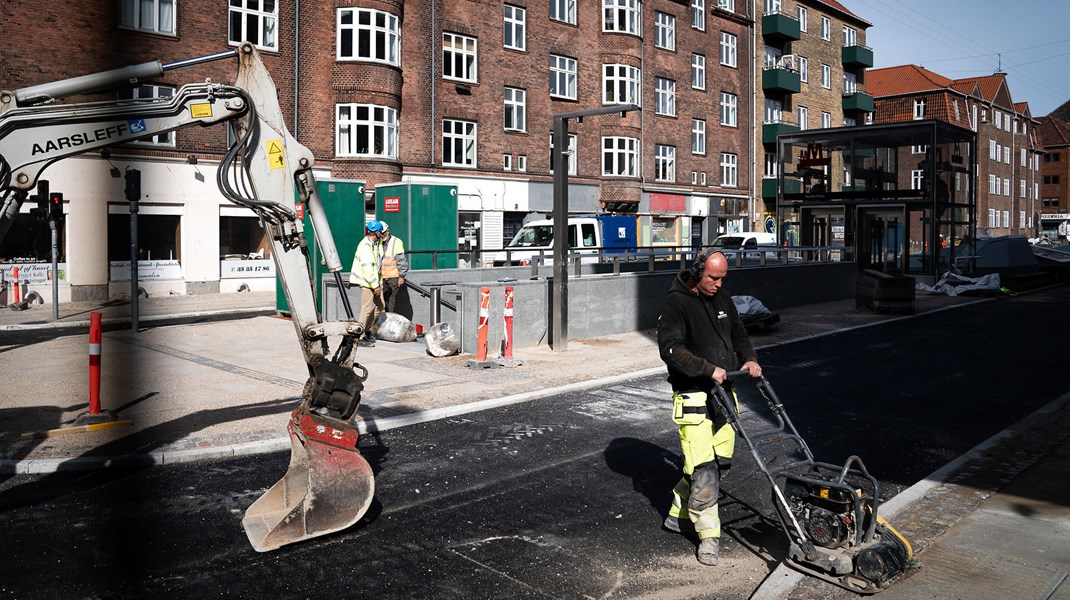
(424, 216)
(343, 202)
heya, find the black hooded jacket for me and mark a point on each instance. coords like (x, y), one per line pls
(697, 333)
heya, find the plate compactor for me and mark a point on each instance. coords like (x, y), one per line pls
(828, 512)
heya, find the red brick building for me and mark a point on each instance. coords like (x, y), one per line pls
(1055, 175)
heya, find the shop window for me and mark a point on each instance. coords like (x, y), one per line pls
(29, 239)
(241, 237)
(159, 237)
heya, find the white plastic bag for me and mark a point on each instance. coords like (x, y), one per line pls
(393, 327)
(442, 340)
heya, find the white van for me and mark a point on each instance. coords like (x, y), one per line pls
(750, 240)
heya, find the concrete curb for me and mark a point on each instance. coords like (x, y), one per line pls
(58, 325)
(780, 582)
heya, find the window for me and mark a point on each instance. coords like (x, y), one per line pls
(919, 109)
(698, 136)
(772, 165)
(850, 36)
(991, 149)
(147, 92)
(992, 181)
(620, 156)
(802, 18)
(698, 71)
(850, 121)
(459, 57)
(513, 27)
(702, 178)
(459, 143)
(1006, 186)
(516, 109)
(773, 110)
(573, 159)
(620, 84)
(729, 169)
(521, 163)
(850, 83)
(826, 120)
(1023, 157)
(1007, 155)
(664, 31)
(563, 10)
(772, 7)
(698, 14)
(728, 49)
(254, 21)
(562, 77)
(803, 68)
(993, 218)
(664, 97)
(917, 179)
(826, 77)
(729, 112)
(365, 34)
(922, 149)
(1021, 191)
(694, 177)
(826, 28)
(803, 113)
(999, 119)
(366, 130)
(999, 153)
(622, 16)
(153, 16)
(664, 163)
(729, 5)
(1006, 218)
(507, 162)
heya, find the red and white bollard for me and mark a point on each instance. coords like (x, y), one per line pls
(94, 363)
(484, 320)
(507, 343)
(17, 286)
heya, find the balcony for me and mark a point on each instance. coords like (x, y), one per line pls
(857, 102)
(857, 57)
(780, 26)
(782, 80)
(771, 130)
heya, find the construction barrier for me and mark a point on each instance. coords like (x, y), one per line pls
(17, 294)
(484, 319)
(507, 343)
(94, 362)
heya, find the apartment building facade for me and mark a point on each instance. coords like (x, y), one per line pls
(812, 69)
(1054, 213)
(1008, 148)
(420, 91)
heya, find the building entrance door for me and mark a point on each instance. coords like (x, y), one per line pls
(882, 239)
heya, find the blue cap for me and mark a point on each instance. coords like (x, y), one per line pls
(374, 226)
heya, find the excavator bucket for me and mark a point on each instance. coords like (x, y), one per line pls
(327, 487)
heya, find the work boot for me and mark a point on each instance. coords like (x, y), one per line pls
(672, 524)
(367, 342)
(708, 549)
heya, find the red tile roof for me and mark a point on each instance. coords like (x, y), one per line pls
(843, 9)
(1054, 131)
(903, 79)
(988, 84)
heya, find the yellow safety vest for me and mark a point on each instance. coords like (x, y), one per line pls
(391, 250)
(365, 271)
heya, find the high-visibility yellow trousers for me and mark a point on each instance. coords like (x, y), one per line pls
(702, 443)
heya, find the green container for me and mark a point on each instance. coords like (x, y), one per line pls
(343, 202)
(424, 216)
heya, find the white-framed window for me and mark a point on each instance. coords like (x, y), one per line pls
(1007, 155)
(521, 163)
(664, 163)
(563, 10)
(620, 84)
(772, 7)
(459, 143)
(993, 218)
(562, 77)
(773, 110)
(514, 27)
(826, 120)
(664, 31)
(1007, 123)
(254, 21)
(368, 35)
(507, 162)
(729, 109)
(698, 136)
(804, 67)
(826, 29)
(516, 109)
(694, 177)
(146, 92)
(728, 49)
(698, 14)
(1021, 191)
(622, 16)
(698, 71)
(850, 83)
(1023, 128)
(826, 77)
(917, 179)
(729, 169)
(702, 178)
(919, 109)
(366, 130)
(459, 53)
(1021, 219)
(992, 181)
(772, 166)
(1006, 218)
(991, 149)
(999, 153)
(1023, 157)
(730, 6)
(664, 97)
(803, 114)
(802, 14)
(999, 118)
(620, 156)
(919, 149)
(573, 157)
(153, 16)
(850, 36)
(1006, 186)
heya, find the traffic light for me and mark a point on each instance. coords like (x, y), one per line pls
(133, 185)
(55, 206)
(41, 212)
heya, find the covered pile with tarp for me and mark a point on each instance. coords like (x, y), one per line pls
(956, 284)
(754, 314)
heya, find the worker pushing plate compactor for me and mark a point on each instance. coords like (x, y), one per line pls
(828, 512)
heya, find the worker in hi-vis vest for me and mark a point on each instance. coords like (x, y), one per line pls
(365, 273)
(394, 266)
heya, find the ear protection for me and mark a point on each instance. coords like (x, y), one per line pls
(700, 262)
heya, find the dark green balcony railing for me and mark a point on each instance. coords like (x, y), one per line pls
(781, 26)
(771, 130)
(781, 80)
(857, 56)
(858, 101)
(791, 186)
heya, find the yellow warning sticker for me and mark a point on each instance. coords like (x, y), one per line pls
(274, 150)
(201, 110)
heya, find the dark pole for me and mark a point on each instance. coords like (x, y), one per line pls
(133, 193)
(55, 268)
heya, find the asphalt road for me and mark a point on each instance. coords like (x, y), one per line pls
(556, 498)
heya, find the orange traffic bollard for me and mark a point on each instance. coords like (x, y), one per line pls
(484, 319)
(94, 363)
(507, 350)
(17, 294)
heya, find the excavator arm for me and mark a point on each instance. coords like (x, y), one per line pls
(328, 485)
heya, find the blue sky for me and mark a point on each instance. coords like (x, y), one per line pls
(968, 38)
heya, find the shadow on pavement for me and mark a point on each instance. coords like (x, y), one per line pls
(653, 470)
